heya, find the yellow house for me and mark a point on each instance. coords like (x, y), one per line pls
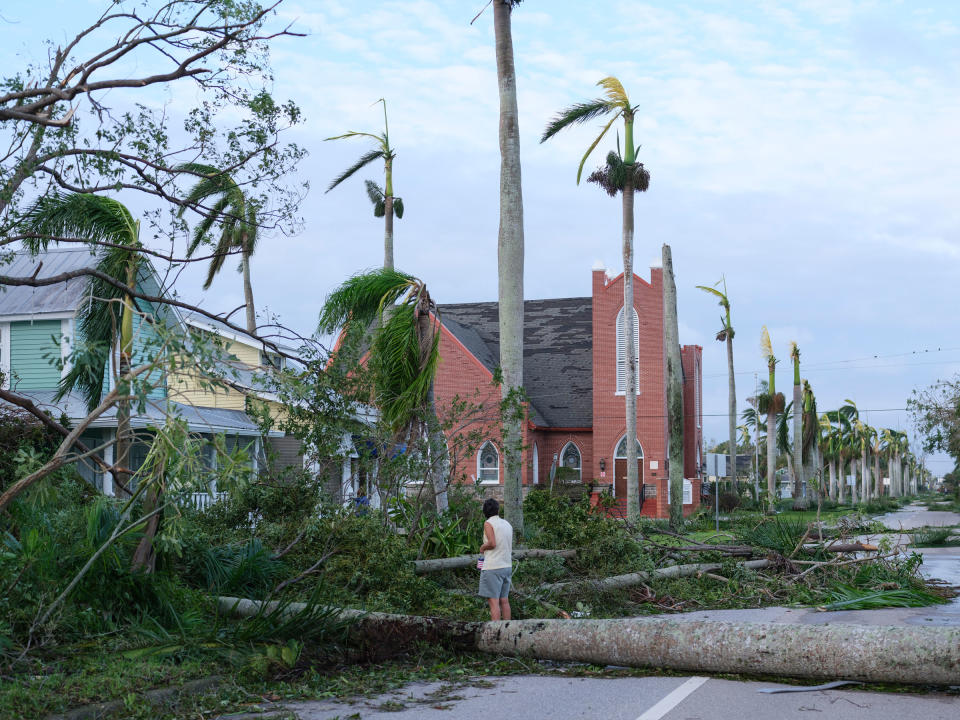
(244, 359)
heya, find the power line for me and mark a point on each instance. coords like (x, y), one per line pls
(824, 364)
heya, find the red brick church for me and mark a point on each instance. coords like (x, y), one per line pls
(574, 375)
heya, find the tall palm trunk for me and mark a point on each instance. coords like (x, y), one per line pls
(842, 479)
(865, 471)
(388, 216)
(248, 287)
(630, 350)
(674, 391)
(732, 411)
(854, 489)
(798, 471)
(833, 479)
(510, 264)
(892, 469)
(771, 461)
(877, 477)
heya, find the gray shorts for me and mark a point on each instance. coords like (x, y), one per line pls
(495, 583)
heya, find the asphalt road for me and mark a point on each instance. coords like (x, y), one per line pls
(648, 698)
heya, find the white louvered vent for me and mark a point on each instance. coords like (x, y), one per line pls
(622, 350)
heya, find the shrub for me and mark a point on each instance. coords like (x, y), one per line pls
(729, 501)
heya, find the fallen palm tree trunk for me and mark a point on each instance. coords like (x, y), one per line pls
(637, 578)
(842, 547)
(910, 655)
(421, 567)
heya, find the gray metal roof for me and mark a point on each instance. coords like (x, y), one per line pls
(557, 355)
(59, 298)
(65, 297)
(199, 419)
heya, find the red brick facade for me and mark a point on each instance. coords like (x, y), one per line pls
(462, 374)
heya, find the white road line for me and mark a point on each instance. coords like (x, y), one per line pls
(673, 699)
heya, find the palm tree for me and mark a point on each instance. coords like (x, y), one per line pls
(810, 447)
(404, 350)
(237, 217)
(623, 175)
(510, 256)
(798, 471)
(385, 204)
(725, 334)
(111, 230)
(830, 443)
(772, 404)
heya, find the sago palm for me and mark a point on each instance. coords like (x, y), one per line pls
(725, 334)
(624, 175)
(404, 348)
(236, 216)
(385, 204)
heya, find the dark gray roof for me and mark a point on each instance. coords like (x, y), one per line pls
(557, 356)
(62, 297)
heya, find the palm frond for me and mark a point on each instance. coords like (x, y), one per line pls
(96, 218)
(398, 207)
(724, 303)
(593, 146)
(364, 160)
(353, 133)
(362, 298)
(575, 115)
(98, 322)
(202, 230)
(766, 349)
(374, 191)
(615, 93)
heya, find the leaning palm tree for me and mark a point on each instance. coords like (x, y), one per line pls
(772, 404)
(725, 334)
(404, 351)
(111, 230)
(624, 175)
(236, 215)
(385, 204)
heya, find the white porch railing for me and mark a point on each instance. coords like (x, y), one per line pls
(201, 500)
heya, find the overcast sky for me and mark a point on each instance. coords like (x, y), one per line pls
(808, 151)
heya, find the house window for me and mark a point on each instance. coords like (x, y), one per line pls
(622, 350)
(570, 465)
(488, 464)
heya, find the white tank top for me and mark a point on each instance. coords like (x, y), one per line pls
(502, 555)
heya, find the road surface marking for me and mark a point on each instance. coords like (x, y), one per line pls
(673, 699)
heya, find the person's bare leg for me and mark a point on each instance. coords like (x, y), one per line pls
(504, 609)
(495, 608)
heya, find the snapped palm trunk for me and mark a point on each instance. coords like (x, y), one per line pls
(674, 390)
(732, 419)
(510, 267)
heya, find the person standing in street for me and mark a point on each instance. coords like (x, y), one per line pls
(497, 551)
